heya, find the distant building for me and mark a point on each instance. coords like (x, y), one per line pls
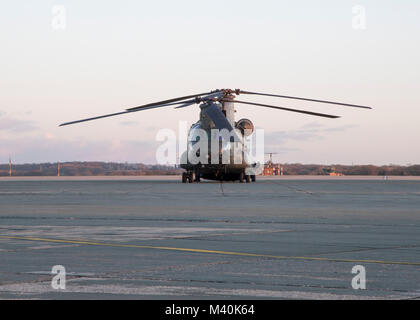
(271, 169)
(332, 172)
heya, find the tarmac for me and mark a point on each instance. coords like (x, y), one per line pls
(156, 238)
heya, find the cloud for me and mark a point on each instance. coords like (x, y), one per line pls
(303, 134)
(129, 123)
(342, 128)
(312, 125)
(15, 125)
(47, 147)
(51, 149)
(309, 132)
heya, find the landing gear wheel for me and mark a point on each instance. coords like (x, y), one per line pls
(184, 177)
(248, 178)
(241, 177)
(253, 177)
(191, 177)
(197, 175)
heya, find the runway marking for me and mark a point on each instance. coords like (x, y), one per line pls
(231, 253)
(295, 189)
(221, 189)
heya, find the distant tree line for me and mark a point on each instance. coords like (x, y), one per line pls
(88, 169)
(355, 170)
(139, 169)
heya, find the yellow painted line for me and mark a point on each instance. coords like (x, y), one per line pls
(231, 253)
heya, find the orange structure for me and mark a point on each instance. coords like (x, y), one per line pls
(271, 169)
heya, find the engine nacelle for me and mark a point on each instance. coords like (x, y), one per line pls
(245, 126)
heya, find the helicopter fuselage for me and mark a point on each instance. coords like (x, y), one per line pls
(223, 160)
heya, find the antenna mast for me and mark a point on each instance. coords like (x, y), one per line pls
(10, 166)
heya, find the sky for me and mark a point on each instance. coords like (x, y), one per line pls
(67, 60)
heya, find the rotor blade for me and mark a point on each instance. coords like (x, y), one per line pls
(218, 117)
(169, 101)
(119, 113)
(186, 104)
(305, 99)
(94, 118)
(286, 109)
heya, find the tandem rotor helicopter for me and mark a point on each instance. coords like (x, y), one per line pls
(217, 112)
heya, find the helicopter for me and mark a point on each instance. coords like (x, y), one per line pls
(214, 156)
